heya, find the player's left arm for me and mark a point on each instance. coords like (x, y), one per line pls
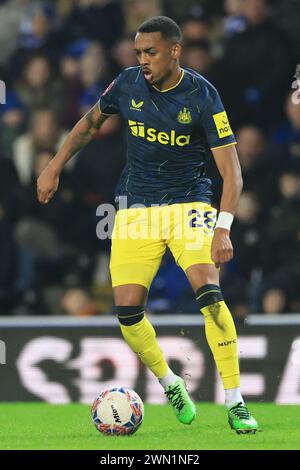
(227, 161)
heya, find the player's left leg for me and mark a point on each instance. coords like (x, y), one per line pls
(222, 338)
(193, 255)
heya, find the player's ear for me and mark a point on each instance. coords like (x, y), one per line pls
(176, 51)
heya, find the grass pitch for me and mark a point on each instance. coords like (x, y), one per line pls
(44, 426)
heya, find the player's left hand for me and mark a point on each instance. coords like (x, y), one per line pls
(221, 248)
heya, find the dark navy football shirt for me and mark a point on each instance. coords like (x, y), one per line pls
(169, 136)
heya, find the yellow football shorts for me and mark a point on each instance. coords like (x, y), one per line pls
(141, 235)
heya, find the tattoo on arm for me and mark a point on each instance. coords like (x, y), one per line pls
(95, 118)
(90, 123)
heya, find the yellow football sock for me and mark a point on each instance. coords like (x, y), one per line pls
(220, 334)
(141, 338)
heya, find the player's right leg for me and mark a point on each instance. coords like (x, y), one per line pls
(140, 335)
(134, 263)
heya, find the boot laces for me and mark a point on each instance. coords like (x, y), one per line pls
(174, 395)
(240, 411)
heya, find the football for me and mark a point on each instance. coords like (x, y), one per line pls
(118, 411)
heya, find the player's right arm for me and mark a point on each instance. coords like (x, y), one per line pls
(81, 134)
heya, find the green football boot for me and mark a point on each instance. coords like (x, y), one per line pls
(184, 408)
(240, 420)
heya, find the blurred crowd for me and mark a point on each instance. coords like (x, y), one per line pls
(56, 58)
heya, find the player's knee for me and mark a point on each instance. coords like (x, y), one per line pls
(130, 295)
(130, 315)
(209, 297)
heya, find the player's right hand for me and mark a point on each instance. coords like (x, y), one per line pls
(47, 185)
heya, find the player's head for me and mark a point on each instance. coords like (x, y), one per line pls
(157, 44)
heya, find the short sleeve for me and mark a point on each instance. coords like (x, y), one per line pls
(109, 100)
(215, 122)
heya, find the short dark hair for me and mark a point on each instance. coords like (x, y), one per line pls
(163, 25)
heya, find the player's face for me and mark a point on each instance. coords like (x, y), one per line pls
(157, 56)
